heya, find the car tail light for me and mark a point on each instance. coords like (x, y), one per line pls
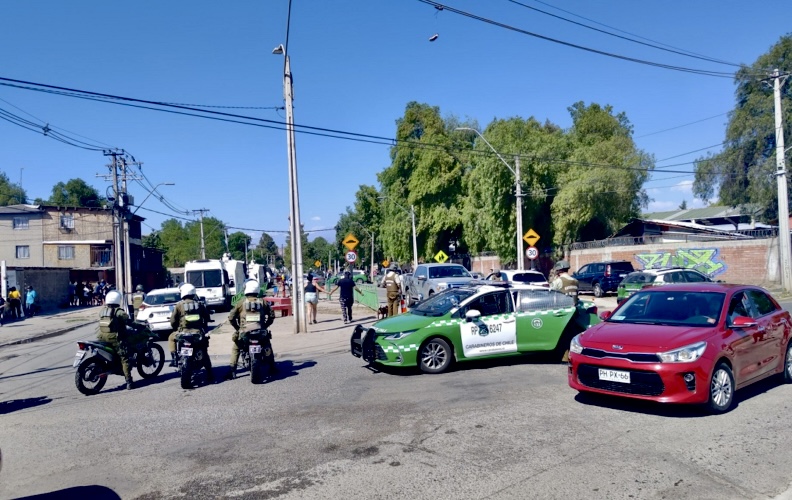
(142, 307)
(81, 346)
(607, 270)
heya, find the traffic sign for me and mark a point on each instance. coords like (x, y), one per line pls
(350, 241)
(385, 263)
(531, 237)
(351, 256)
(441, 257)
(317, 263)
(532, 253)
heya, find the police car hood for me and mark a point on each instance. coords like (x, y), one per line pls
(403, 322)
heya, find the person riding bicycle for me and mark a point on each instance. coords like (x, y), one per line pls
(189, 315)
(250, 314)
(113, 321)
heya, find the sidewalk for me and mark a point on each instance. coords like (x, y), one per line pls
(47, 324)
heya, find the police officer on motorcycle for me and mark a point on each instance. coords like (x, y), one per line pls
(249, 314)
(189, 315)
(113, 321)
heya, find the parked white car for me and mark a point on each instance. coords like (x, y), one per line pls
(528, 277)
(156, 309)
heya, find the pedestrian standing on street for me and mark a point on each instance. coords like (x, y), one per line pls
(312, 290)
(15, 300)
(31, 302)
(72, 291)
(346, 298)
(137, 300)
(392, 284)
(564, 282)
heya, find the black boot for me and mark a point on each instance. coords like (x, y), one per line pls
(231, 375)
(173, 362)
(129, 384)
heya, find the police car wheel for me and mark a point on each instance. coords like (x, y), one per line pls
(435, 356)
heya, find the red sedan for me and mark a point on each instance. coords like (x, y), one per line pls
(688, 343)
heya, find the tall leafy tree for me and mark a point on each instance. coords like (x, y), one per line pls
(183, 241)
(10, 193)
(238, 243)
(74, 193)
(267, 252)
(361, 220)
(318, 250)
(287, 254)
(600, 188)
(743, 172)
(490, 217)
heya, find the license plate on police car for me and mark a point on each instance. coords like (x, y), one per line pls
(614, 376)
(186, 351)
(78, 357)
(255, 349)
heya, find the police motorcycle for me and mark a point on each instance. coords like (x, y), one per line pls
(256, 355)
(95, 360)
(192, 350)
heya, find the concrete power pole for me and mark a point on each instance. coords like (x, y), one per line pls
(518, 191)
(119, 267)
(201, 211)
(784, 252)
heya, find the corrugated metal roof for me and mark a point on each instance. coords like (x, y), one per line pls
(18, 209)
(711, 212)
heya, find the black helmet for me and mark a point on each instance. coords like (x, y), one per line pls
(139, 288)
(561, 265)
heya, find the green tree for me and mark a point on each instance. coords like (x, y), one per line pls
(238, 243)
(266, 252)
(318, 249)
(600, 188)
(287, 260)
(74, 193)
(490, 217)
(361, 220)
(743, 172)
(10, 193)
(183, 242)
(153, 240)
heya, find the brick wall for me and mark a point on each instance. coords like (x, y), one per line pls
(748, 261)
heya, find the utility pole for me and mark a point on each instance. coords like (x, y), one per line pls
(415, 238)
(784, 252)
(201, 211)
(518, 189)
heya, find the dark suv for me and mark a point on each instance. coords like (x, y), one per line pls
(602, 277)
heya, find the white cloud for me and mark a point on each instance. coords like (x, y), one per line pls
(684, 187)
(316, 218)
(662, 206)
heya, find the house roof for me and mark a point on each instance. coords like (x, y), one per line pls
(37, 209)
(711, 212)
(19, 209)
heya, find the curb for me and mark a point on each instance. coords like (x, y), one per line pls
(46, 335)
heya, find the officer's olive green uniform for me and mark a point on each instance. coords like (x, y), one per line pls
(567, 285)
(112, 329)
(249, 314)
(190, 316)
(137, 301)
(393, 292)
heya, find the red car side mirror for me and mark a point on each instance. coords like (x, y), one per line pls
(742, 322)
(605, 315)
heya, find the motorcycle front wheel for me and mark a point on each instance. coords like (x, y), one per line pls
(150, 360)
(91, 376)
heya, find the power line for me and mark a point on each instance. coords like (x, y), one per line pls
(680, 126)
(655, 45)
(718, 74)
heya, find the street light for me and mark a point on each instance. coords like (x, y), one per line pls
(298, 305)
(411, 213)
(516, 173)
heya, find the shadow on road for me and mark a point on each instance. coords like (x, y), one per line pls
(7, 407)
(34, 372)
(94, 492)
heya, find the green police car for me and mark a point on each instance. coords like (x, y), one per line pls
(475, 321)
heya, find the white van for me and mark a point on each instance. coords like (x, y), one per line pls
(236, 274)
(210, 279)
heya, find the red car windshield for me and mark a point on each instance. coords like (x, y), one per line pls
(679, 308)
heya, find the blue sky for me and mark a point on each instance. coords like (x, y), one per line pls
(356, 65)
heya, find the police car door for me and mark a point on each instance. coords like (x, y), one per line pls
(542, 316)
(495, 331)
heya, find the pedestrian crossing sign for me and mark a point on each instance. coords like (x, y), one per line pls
(441, 257)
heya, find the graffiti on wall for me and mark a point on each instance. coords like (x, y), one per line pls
(704, 260)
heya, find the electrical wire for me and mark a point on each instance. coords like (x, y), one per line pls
(682, 52)
(718, 74)
(680, 126)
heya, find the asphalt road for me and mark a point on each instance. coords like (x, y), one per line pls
(330, 428)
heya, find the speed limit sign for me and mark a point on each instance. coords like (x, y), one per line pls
(351, 256)
(532, 253)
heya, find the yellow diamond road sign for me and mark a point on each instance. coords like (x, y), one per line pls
(318, 263)
(441, 256)
(531, 237)
(385, 263)
(350, 241)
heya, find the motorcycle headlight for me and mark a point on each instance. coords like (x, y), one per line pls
(685, 354)
(574, 345)
(400, 335)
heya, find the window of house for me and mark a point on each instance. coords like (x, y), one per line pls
(23, 252)
(21, 223)
(66, 252)
(67, 221)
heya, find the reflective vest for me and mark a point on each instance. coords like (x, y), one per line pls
(569, 286)
(109, 322)
(192, 319)
(253, 315)
(391, 286)
(137, 300)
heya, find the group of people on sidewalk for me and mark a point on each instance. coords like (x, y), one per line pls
(14, 308)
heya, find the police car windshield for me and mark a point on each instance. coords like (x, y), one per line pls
(440, 304)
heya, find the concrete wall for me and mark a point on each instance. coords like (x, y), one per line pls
(51, 285)
(82, 257)
(96, 224)
(31, 237)
(746, 261)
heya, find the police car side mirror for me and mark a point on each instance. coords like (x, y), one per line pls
(472, 315)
